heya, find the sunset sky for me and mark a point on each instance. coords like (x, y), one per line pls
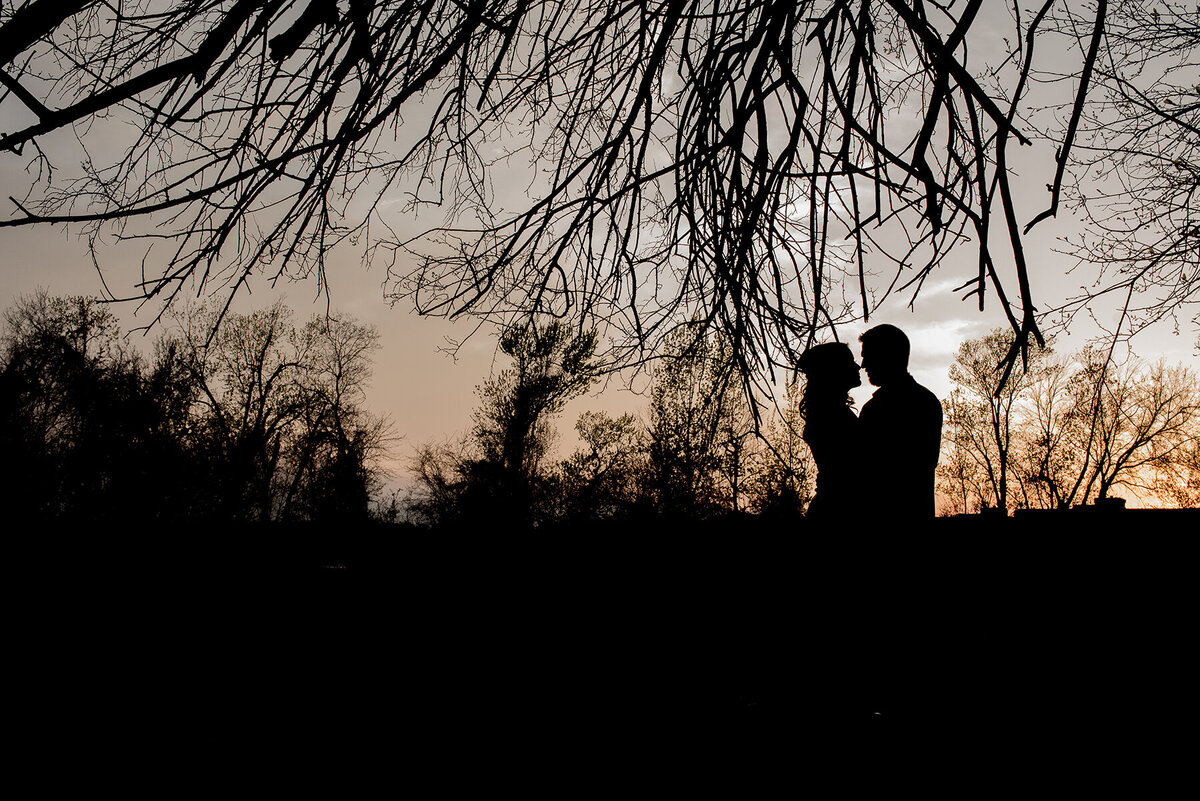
(429, 396)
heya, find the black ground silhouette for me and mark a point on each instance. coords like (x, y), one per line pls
(1006, 644)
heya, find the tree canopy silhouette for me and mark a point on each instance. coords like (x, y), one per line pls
(265, 422)
(768, 167)
(496, 473)
(1068, 431)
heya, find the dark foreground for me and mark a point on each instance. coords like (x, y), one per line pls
(1061, 646)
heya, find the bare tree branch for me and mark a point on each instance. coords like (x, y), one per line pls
(772, 169)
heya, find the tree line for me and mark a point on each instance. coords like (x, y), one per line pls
(1069, 430)
(698, 451)
(256, 419)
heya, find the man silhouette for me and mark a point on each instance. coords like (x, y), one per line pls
(901, 429)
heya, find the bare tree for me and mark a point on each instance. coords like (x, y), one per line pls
(770, 167)
(1134, 173)
(550, 366)
(1092, 423)
(248, 375)
(444, 475)
(1185, 490)
(691, 413)
(736, 446)
(494, 474)
(600, 480)
(335, 455)
(1053, 415)
(1147, 418)
(961, 486)
(981, 411)
(77, 425)
(783, 473)
(283, 407)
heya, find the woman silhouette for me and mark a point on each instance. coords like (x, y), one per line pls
(831, 428)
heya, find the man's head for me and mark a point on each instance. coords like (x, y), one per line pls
(884, 354)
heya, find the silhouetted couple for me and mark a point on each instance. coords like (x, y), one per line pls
(879, 464)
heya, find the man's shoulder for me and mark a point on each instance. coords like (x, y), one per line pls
(925, 392)
(901, 394)
(925, 398)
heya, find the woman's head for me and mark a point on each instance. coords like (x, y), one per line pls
(830, 367)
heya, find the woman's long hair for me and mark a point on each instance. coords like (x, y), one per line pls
(824, 367)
